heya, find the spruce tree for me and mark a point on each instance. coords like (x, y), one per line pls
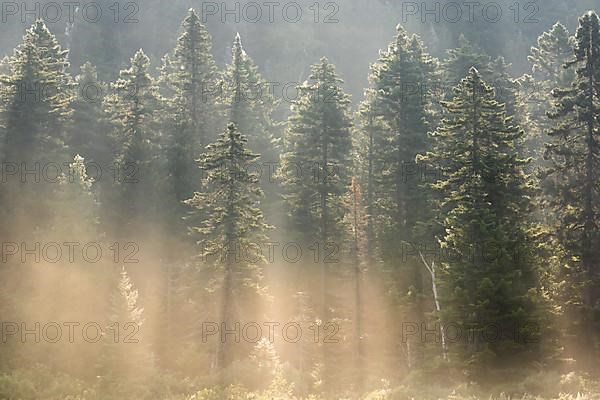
(232, 229)
(506, 86)
(316, 175)
(554, 48)
(88, 134)
(37, 95)
(250, 106)
(126, 364)
(247, 99)
(88, 128)
(399, 113)
(364, 137)
(573, 154)
(132, 109)
(36, 101)
(189, 82)
(460, 60)
(484, 202)
(316, 163)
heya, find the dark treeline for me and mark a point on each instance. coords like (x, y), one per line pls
(178, 231)
(349, 32)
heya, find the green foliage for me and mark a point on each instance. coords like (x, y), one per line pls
(513, 310)
(250, 105)
(315, 162)
(460, 60)
(42, 383)
(248, 101)
(133, 108)
(547, 59)
(36, 97)
(89, 131)
(554, 49)
(573, 154)
(484, 194)
(228, 201)
(232, 226)
(189, 85)
(396, 118)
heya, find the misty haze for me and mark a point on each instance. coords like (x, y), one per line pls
(300, 200)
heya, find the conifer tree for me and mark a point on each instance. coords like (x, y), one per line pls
(365, 163)
(248, 101)
(505, 86)
(490, 272)
(399, 113)
(36, 100)
(460, 60)
(126, 363)
(316, 161)
(554, 48)
(316, 176)
(132, 109)
(573, 153)
(36, 95)
(232, 229)
(250, 105)
(88, 128)
(190, 86)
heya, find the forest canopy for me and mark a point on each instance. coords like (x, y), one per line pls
(299, 200)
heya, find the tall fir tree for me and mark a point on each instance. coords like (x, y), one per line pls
(573, 153)
(232, 228)
(250, 105)
(132, 108)
(460, 60)
(88, 128)
(37, 95)
(554, 48)
(189, 82)
(316, 170)
(399, 114)
(505, 86)
(248, 100)
(490, 274)
(364, 144)
(316, 163)
(36, 101)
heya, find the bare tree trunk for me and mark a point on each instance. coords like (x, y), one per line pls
(438, 308)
